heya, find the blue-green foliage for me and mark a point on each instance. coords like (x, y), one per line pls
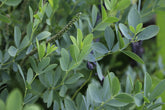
(45, 47)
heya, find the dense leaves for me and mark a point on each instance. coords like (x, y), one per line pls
(66, 55)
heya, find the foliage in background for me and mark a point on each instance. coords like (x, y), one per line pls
(72, 55)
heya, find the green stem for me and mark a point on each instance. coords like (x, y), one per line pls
(3, 3)
(62, 82)
(75, 94)
(103, 103)
(30, 84)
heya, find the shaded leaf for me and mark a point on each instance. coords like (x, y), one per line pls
(94, 14)
(147, 84)
(133, 56)
(4, 19)
(123, 97)
(109, 37)
(29, 75)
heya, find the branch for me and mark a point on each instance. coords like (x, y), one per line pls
(56, 36)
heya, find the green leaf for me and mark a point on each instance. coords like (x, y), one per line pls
(132, 29)
(21, 72)
(74, 52)
(107, 4)
(86, 50)
(154, 106)
(50, 49)
(50, 67)
(64, 60)
(56, 106)
(24, 42)
(158, 90)
(138, 98)
(123, 4)
(121, 40)
(133, 56)
(43, 35)
(69, 104)
(106, 22)
(99, 71)
(129, 85)
(113, 4)
(125, 31)
(29, 75)
(44, 63)
(31, 14)
(94, 14)
(88, 40)
(48, 10)
(2, 105)
(73, 40)
(32, 107)
(123, 97)
(138, 86)
(109, 37)
(147, 84)
(14, 100)
(12, 51)
(63, 91)
(4, 19)
(51, 3)
(79, 38)
(139, 27)
(12, 2)
(1, 56)
(100, 48)
(74, 78)
(94, 92)
(115, 86)
(134, 17)
(17, 36)
(103, 12)
(116, 103)
(48, 97)
(33, 64)
(29, 30)
(41, 50)
(148, 32)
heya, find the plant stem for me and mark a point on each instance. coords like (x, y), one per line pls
(103, 103)
(75, 94)
(62, 82)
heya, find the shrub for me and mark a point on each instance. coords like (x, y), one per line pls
(55, 55)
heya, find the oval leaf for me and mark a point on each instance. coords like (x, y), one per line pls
(14, 100)
(148, 32)
(133, 56)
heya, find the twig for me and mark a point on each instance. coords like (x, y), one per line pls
(82, 86)
(56, 36)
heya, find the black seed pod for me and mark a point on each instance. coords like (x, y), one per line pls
(90, 66)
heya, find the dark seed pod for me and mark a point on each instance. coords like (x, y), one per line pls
(137, 49)
(90, 66)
